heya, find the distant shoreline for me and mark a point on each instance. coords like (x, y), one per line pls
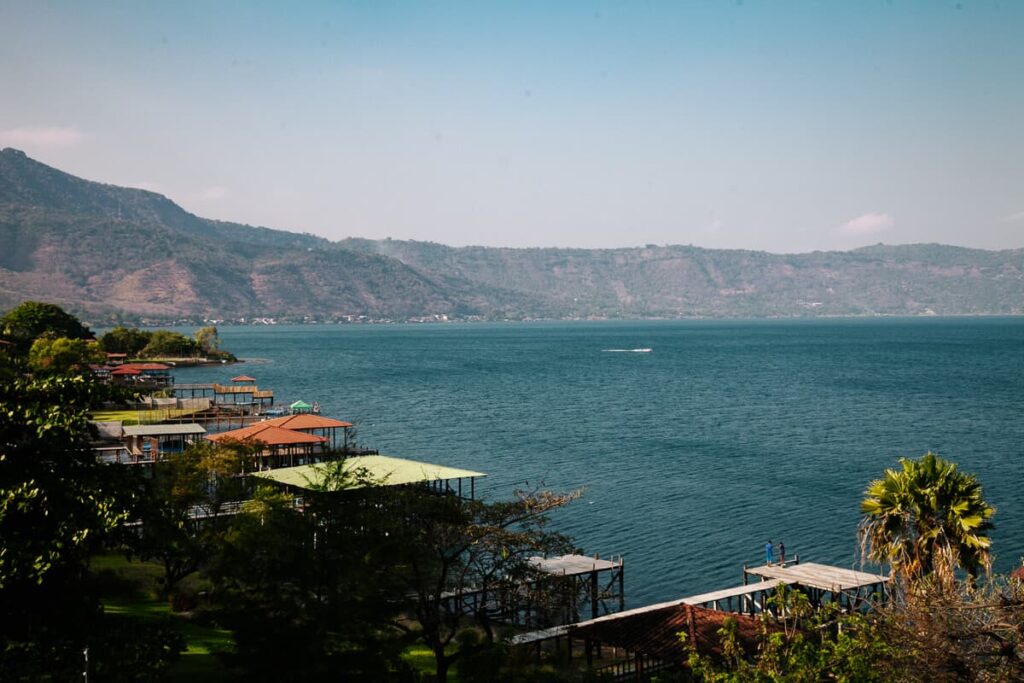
(459, 321)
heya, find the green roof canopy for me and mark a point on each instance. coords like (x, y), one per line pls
(382, 468)
(300, 405)
(164, 430)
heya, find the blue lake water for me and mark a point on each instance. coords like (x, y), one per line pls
(726, 434)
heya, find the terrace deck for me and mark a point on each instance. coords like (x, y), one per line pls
(820, 576)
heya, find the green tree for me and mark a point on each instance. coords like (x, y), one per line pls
(310, 593)
(129, 340)
(165, 343)
(26, 322)
(452, 545)
(181, 509)
(208, 339)
(927, 519)
(802, 645)
(51, 354)
(56, 505)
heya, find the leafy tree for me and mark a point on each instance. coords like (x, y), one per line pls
(26, 322)
(927, 518)
(208, 339)
(51, 354)
(165, 343)
(125, 340)
(802, 644)
(56, 504)
(181, 508)
(307, 592)
(456, 545)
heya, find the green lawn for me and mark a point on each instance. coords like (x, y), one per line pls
(129, 587)
(135, 417)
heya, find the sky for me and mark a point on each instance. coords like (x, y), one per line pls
(778, 126)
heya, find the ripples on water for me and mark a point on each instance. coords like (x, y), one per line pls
(726, 434)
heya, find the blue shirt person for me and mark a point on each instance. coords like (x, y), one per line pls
(768, 551)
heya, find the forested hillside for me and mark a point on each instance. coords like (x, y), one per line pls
(104, 249)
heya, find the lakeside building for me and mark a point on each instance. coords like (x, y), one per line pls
(280, 447)
(295, 452)
(377, 470)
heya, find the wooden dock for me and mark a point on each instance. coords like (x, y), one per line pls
(825, 583)
(586, 585)
(822, 583)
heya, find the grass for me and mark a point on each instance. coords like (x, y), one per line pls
(421, 658)
(130, 588)
(136, 417)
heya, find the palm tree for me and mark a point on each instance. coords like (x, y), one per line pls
(927, 519)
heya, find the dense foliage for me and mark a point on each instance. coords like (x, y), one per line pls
(138, 343)
(51, 354)
(28, 321)
(57, 505)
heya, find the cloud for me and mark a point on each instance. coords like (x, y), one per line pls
(212, 194)
(1012, 217)
(714, 227)
(42, 137)
(868, 224)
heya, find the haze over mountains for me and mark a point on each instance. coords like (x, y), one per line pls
(106, 250)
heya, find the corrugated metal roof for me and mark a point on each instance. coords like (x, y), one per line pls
(164, 430)
(385, 469)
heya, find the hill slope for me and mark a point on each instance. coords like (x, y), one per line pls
(100, 248)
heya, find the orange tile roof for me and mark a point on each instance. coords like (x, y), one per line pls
(147, 366)
(243, 378)
(268, 434)
(125, 370)
(307, 421)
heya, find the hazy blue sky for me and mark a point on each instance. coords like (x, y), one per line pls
(786, 126)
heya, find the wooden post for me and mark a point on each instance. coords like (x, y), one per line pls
(593, 594)
(622, 590)
(744, 575)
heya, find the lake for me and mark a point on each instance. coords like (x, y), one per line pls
(725, 434)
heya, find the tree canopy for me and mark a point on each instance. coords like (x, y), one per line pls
(51, 354)
(26, 322)
(927, 518)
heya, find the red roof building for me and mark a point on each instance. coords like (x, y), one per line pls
(283, 447)
(315, 424)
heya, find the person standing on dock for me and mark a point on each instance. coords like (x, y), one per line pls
(782, 553)
(768, 552)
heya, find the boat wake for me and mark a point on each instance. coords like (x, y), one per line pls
(626, 350)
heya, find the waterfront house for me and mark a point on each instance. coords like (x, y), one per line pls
(316, 424)
(279, 447)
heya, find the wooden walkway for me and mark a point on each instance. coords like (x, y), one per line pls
(572, 565)
(751, 598)
(821, 576)
(820, 581)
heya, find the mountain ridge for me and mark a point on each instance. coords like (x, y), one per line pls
(110, 251)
